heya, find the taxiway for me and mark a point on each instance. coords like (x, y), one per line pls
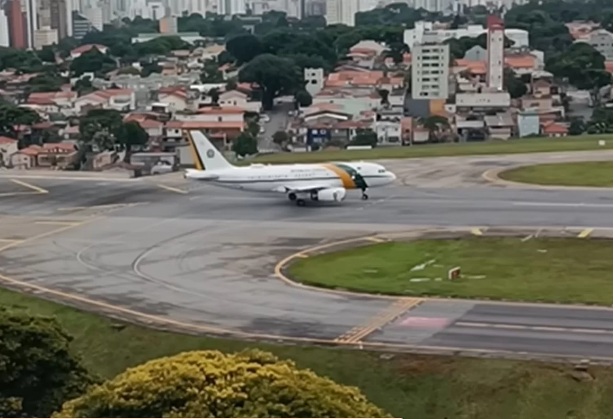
(202, 259)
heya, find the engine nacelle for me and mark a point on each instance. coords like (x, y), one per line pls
(332, 194)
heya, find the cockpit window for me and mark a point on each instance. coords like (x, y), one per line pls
(381, 171)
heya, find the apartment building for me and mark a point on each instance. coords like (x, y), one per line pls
(430, 71)
(342, 12)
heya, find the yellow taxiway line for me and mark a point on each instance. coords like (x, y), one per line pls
(29, 186)
(585, 233)
(393, 311)
(171, 188)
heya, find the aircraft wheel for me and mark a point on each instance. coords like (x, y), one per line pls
(292, 196)
(365, 197)
(300, 202)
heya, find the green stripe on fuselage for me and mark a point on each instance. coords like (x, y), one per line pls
(354, 174)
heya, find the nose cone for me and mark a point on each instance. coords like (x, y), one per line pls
(392, 176)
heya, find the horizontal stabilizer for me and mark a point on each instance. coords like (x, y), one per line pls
(200, 175)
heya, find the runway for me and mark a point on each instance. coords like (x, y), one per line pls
(202, 259)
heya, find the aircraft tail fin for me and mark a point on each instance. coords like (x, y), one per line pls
(206, 155)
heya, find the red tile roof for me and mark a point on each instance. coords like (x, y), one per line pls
(7, 140)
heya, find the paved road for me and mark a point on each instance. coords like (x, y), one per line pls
(204, 258)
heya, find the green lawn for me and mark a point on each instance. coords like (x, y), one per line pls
(548, 270)
(599, 173)
(526, 145)
(407, 386)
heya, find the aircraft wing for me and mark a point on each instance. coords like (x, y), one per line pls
(307, 188)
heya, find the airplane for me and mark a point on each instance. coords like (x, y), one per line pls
(300, 182)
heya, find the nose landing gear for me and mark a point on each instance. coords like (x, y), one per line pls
(364, 197)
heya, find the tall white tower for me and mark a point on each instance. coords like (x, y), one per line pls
(495, 52)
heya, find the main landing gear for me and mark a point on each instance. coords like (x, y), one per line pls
(299, 202)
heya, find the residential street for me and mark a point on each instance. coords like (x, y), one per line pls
(278, 120)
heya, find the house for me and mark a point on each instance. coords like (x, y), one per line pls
(235, 98)
(523, 63)
(175, 97)
(210, 52)
(554, 129)
(223, 124)
(540, 103)
(118, 99)
(52, 101)
(542, 88)
(499, 126)
(8, 146)
(49, 155)
(77, 52)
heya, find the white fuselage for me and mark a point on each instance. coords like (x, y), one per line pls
(276, 178)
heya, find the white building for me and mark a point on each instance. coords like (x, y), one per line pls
(45, 36)
(4, 29)
(519, 37)
(602, 41)
(231, 7)
(314, 80)
(342, 12)
(430, 71)
(30, 8)
(95, 16)
(436, 6)
(495, 53)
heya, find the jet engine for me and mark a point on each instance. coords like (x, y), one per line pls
(332, 194)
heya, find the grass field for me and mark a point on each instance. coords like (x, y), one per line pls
(547, 270)
(407, 386)
(598, 173)
(527, 145)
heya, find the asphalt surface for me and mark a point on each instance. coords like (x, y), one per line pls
(199, 257)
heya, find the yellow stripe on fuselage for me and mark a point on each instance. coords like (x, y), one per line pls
(346, 179)
(195, 154)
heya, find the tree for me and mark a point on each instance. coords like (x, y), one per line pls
(513, 84)
(245, 144)
(92, 61)
(384, 96)
(11, 116)
(46, 82)
(303, 98)
(213, 384)
(577, 127)
(211, 74)
(582, 65)
(280, 138)
(100, 127)
(38, 372)
(214, 94)
(131, 134)
(274, 75)
(253, 128)
(46, 54)
(20, 60)
(83, 86)
(365, 137)
(436, 125)
(244, 47)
